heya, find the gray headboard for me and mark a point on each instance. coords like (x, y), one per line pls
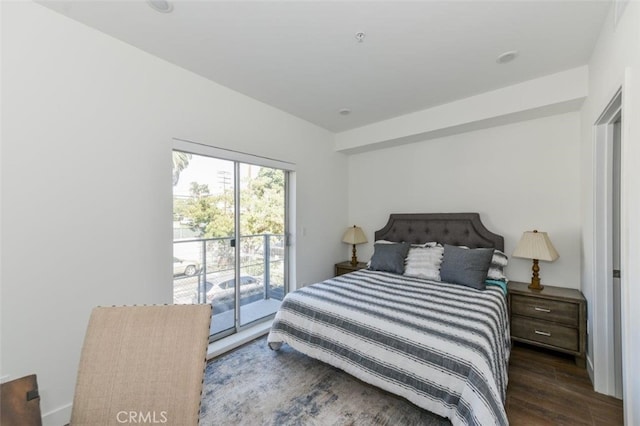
(459, 229)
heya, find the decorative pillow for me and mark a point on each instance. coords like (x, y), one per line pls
(429, 244)
(496, 269)
(389, 257)
(467, 267)
(424, 262)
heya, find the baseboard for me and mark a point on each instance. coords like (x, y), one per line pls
(238, 339)
(58, 417)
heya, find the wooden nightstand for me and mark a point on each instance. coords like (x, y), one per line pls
(553, 318)
(346, 267)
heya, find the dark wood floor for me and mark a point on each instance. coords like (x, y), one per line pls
(547, 388)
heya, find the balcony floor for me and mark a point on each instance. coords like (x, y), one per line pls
(248, 313)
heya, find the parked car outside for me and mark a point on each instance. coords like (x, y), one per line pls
(185, 267)
(223, 291)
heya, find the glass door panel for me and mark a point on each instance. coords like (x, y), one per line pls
(204, 236)
(262, 237)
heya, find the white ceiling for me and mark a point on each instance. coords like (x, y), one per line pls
(302, 57)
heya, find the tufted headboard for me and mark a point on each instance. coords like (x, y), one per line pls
(459, 229)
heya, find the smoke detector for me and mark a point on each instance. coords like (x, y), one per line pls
(162, 6)
(507, 57)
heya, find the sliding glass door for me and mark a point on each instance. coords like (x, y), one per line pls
(230, 245)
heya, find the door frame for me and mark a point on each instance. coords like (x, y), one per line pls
(238, 157)
(603, 358)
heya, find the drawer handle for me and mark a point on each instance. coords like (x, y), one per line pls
(539, 309)
(543, 333)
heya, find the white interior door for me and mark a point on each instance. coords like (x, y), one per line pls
(605, 307)
(615, 251)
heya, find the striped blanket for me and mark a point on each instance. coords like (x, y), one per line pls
(442, 346)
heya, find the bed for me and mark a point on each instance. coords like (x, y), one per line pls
(443, 346)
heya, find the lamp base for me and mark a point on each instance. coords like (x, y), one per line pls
(535, 279)
(536, 287)
(354, 258)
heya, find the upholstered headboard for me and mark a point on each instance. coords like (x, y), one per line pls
(459, 229)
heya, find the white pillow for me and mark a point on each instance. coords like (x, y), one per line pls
(424, 262)
(429, 244)
(383, 242)
(496, 269)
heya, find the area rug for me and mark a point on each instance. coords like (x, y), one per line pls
(254, 385)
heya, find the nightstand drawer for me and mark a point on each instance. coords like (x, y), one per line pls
(549, 310)
(545, 332)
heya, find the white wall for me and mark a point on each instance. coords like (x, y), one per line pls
(87, 128)
(615, 63)
(519, 177)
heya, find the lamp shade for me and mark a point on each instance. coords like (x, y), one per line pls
(536, 245)
(354, 235)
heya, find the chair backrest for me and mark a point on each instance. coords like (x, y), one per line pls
(20, 402)
(142, 364)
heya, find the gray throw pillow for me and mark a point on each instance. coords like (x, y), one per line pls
(466, 266)
(389, 257)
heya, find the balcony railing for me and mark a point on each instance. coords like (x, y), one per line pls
(204, 271)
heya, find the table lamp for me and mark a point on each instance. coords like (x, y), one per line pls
(537, 246)
(354, 236)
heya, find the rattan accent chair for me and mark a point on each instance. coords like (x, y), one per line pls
(142, 364)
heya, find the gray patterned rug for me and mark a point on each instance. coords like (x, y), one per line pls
(254, 385)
